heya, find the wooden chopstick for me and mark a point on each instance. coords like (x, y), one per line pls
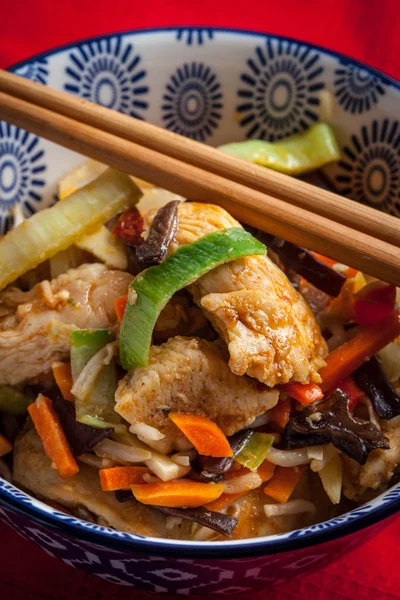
(276, 216)
(297, 192)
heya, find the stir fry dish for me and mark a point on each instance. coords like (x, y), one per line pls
(167, 371)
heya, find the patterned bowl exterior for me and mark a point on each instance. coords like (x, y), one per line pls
(215, 86)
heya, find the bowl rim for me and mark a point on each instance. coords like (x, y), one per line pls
(237, 31)
(81, 530)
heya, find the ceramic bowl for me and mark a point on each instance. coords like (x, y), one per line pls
(216, 86)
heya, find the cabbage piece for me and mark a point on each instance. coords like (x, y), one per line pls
(56, 228)
(331, 478)
(97, 400)
(294, 155)
(106, 247)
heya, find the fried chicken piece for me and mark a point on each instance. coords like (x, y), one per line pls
(191, 375)
(36, 326)
(270, 330)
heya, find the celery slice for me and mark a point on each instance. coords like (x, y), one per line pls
(13, 402)
(56, 228)
(297, 154)
(255, 451)
(152, 289)
(99, 405)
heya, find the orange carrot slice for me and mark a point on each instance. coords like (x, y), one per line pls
(349, 272)
(265, 471)
(280, 414)
(176, 494)
(121, 478)
(304, 393)
(283, 483)
(63, 376)
(120, 306)
(223, 501)
(5, 446)
(204, 434)
(54, 441)
(345, 359)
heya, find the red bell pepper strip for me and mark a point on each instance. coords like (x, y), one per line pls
(374, 302)
(351, 389)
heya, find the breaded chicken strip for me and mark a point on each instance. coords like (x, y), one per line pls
(269, 328)
(191, 375)
(36, 326)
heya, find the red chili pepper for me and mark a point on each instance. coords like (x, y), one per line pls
(354, 393)
(130, 227)
(374, 302)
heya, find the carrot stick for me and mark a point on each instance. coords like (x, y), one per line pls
(349, 272)
(121, 478)
(223, 500)
(204, 434)
(63, 376)
(280, 414)
(265, 471)
(54, 441)
(177, 493)
(120, 306)
(345, 359)
(304, 393)
(5, 446)
(282, 484)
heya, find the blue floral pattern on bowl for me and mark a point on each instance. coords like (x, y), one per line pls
(279, 92)
(357, 89)
(22, 169)
(35, 71)
(192, 101)
(110, 73)
(369, 171)
(195, 35)
(214, 85)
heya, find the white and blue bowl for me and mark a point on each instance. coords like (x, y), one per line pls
(217, 86)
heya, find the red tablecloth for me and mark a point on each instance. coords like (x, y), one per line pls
(368, 30)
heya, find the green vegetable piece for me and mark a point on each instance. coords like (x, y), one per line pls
(152, 289)
(255, 451)
(85, 344)
(100, 424)
(98, 407)
(297, 154)
(13, 402)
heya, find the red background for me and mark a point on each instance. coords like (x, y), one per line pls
(365, 29)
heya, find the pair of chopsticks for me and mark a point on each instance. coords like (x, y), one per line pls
(320, 220)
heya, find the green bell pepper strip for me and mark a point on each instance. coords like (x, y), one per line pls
(255, 451)
(294, 155)
(152, 289)
(97, 410)
(14, 402)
